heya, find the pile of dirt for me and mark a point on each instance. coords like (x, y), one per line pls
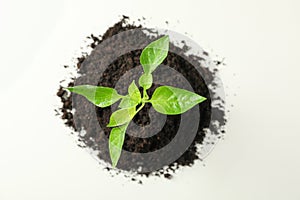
(97, 140)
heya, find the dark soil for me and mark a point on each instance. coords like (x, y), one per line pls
(97, 140)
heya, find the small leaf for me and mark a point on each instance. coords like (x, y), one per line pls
(121, 117)
(127, 102)
(154, 54)
(146, 81)
(134, 92)
(172, 101)
(133, 98)
(100, 96)
(116, 140)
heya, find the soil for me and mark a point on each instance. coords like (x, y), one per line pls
(98, 140)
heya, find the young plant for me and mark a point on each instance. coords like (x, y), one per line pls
(165, 99)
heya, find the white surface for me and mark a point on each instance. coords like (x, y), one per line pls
(259, 159)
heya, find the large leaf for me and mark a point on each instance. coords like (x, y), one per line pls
(116, 140)
(171, 101)
(121, 117)
(154, 54)
(100, 96)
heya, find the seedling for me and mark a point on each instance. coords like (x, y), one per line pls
(165, 99)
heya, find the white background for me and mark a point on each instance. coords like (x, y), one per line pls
(260, 156)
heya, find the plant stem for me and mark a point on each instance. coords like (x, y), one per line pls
(145, 95)
(140, 108)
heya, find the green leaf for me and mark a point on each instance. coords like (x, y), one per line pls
(154, 54)
(116, 140)
(172, 101)
(146, 81)
(134, 92)
(121, 117)
(133, 98)
(100, 96)
(127, 102)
